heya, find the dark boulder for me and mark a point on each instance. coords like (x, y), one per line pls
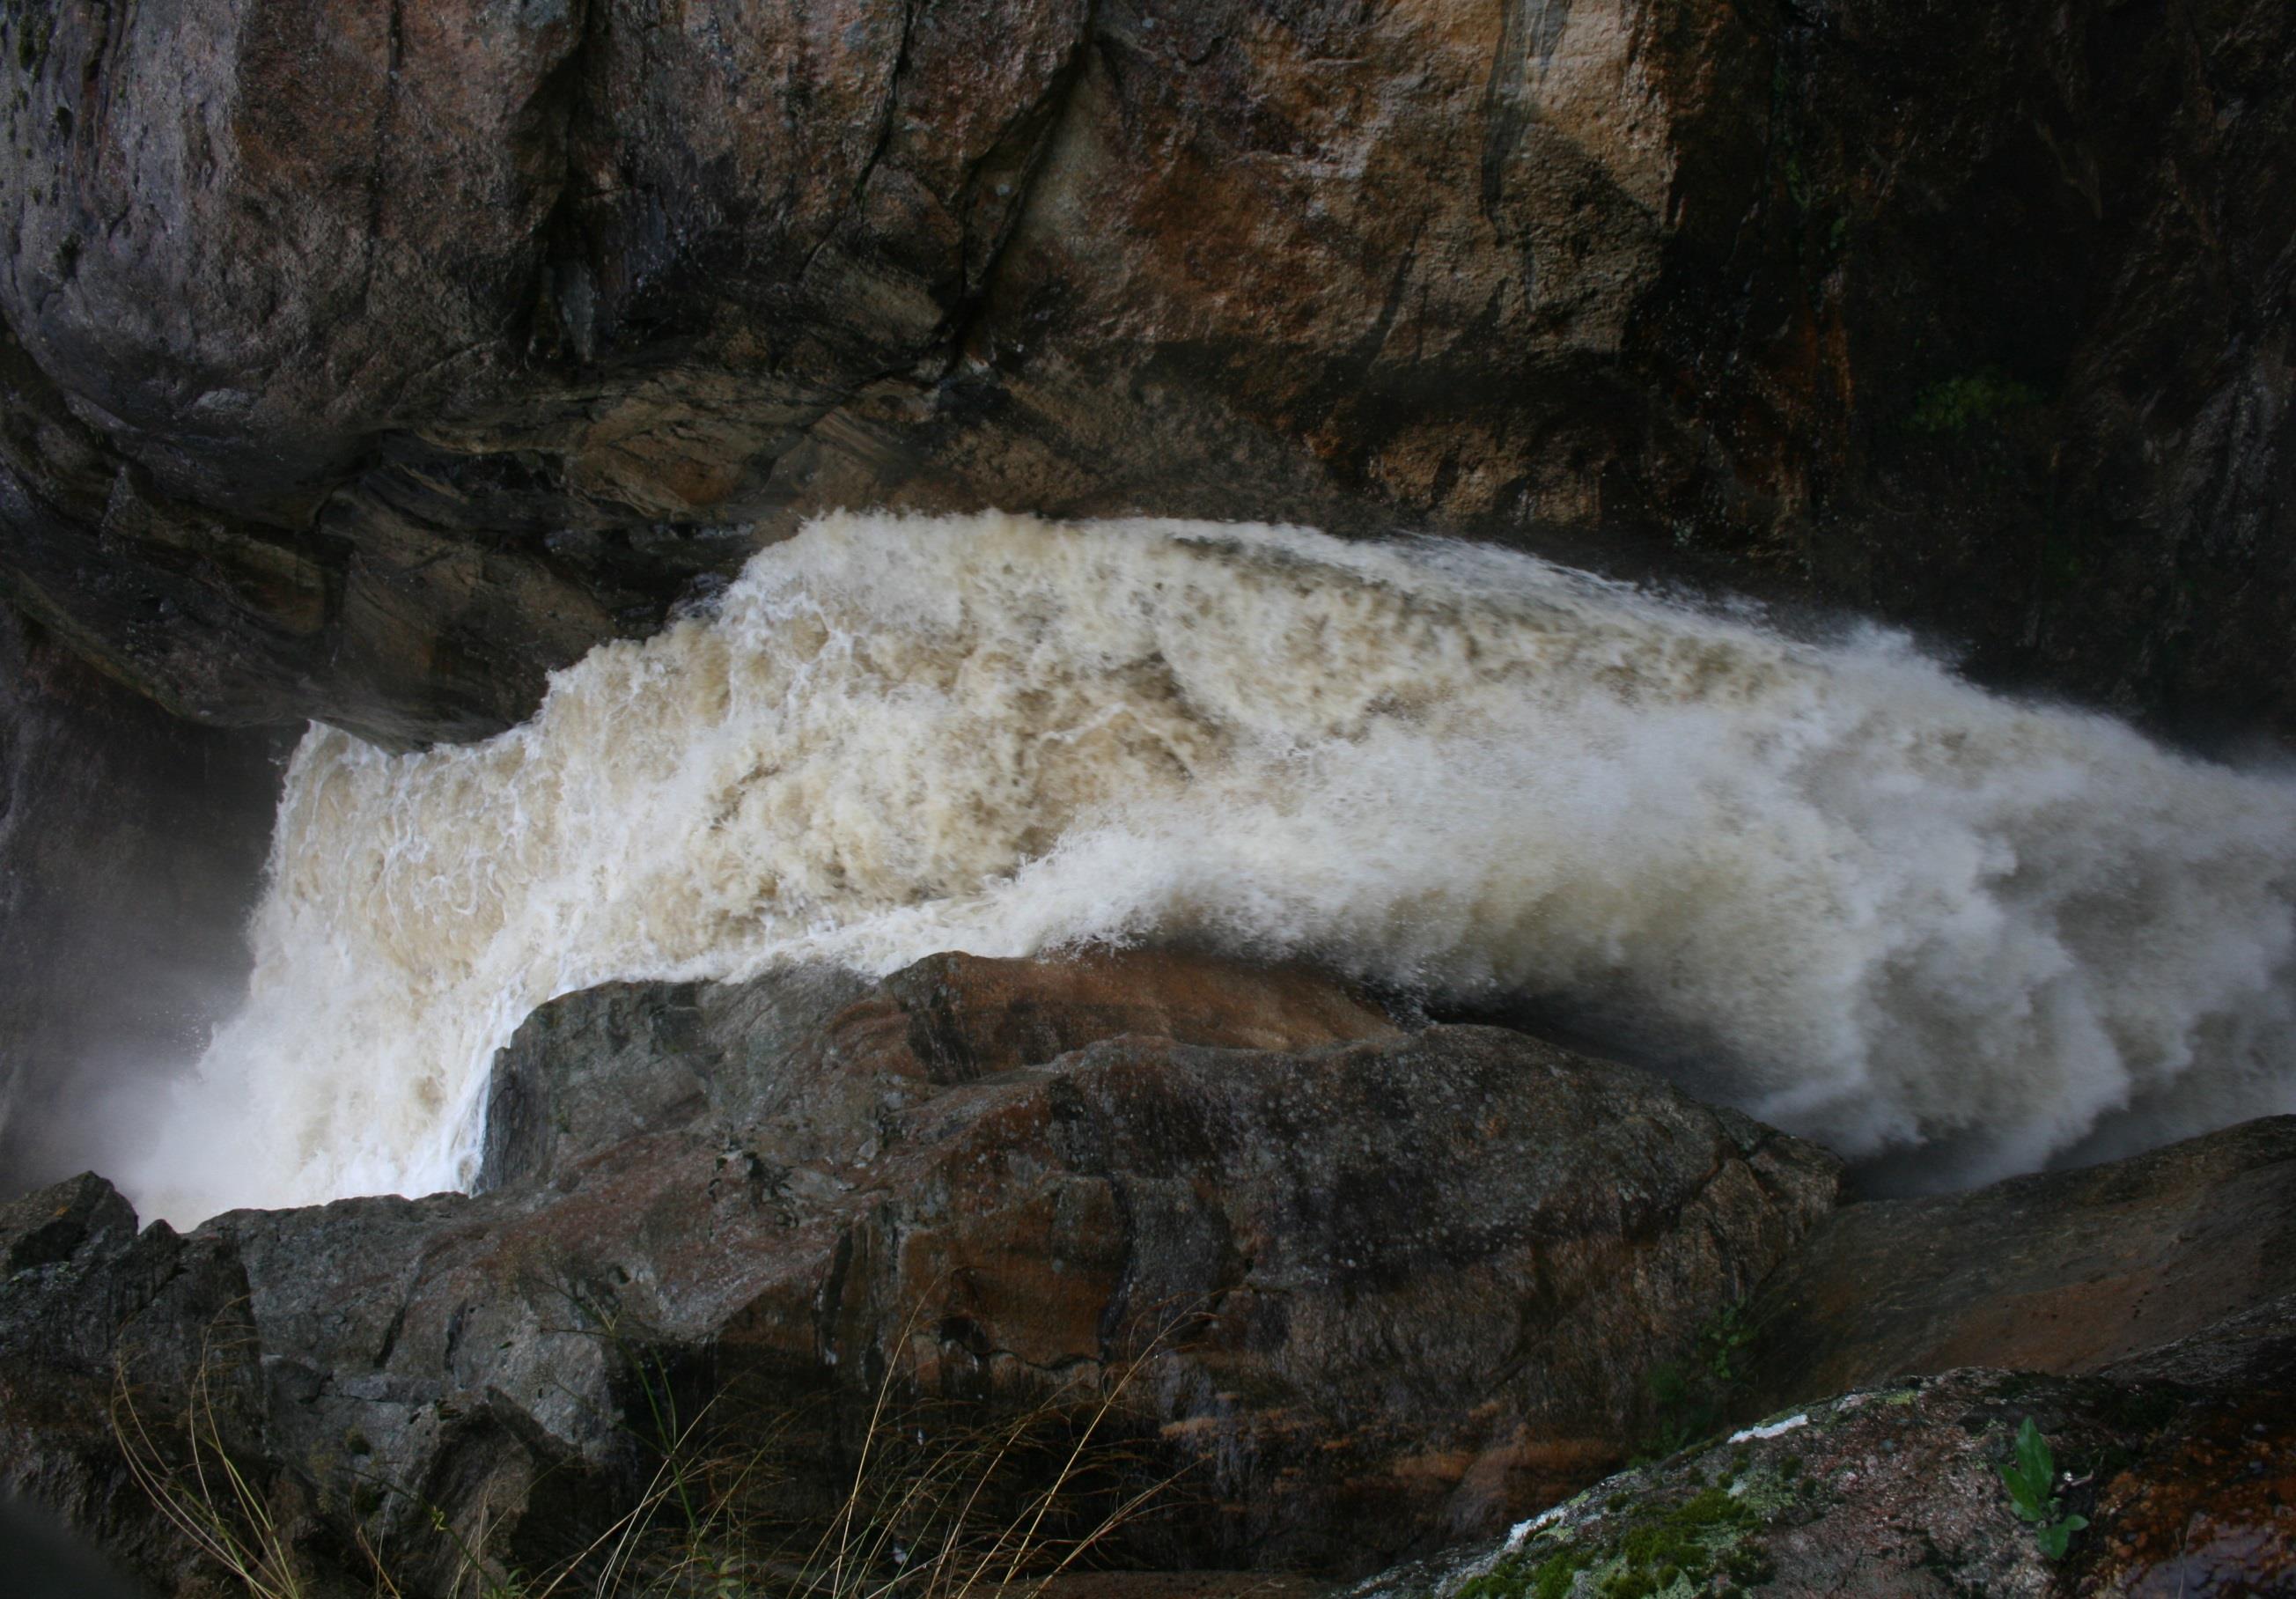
(2186, 1486)
(95, 1318)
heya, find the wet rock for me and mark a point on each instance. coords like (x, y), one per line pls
(2185, 1488)
(1358, 1287)
(369, 365)
(45, 1562)
(2060, 1272)
(585, 1071)
(56, 1223)
(2209, 1509)
(93, 1319)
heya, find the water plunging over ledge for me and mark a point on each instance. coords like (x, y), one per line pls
(1866, 901)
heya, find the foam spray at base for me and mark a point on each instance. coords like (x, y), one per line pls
(1831, 883)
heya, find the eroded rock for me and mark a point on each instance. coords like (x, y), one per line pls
(1360, 1287)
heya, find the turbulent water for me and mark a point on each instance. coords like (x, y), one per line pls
(1829, 883)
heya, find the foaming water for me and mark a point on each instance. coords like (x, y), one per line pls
(1833, 885)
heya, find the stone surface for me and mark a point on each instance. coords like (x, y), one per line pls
(2186, 1487)
(130, 849)
(370, 361)
(57, 1222)
(2060, 1272)
(585, 1071)
(1359, 1287)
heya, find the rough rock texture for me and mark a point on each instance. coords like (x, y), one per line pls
(1361, 1288)
(368, 361)
(581, 1075)
(2188, 1486)
(2062, 1271)
(130, 846)
(85, 1298)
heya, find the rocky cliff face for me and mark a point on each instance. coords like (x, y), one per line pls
(368, 362)
(2062, 1271)
(2138, 1316)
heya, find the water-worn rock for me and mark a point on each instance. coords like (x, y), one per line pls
(585, 1072)
(2060, 1272)
(2188, 1487)
(130, 845)
(369, 362)
(1361, 1287)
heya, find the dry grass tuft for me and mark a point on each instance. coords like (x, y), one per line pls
(934, 1508)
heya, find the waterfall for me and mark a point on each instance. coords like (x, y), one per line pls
(1829, 883)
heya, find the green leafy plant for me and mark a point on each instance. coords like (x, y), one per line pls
(1958, 406)
(1722, 1345)
(2030, 1478)
(1691, 1400)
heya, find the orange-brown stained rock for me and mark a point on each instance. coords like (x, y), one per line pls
(1899, 1492)
(368, 364)
(2210, 1512)
(961, 1016)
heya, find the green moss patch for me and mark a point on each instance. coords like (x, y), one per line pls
(1693, 1545)
(1959, 407)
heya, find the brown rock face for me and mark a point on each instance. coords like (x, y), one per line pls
(2065, 1272)
(948, 1019)
(1358, 1288)
(369, 362)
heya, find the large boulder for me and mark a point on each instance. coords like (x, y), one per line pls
(92, 1313)
(1358, 1288)
(2141, 1313)
(368, 361)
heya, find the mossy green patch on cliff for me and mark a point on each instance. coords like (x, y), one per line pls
(35, 27)
(1956, 407)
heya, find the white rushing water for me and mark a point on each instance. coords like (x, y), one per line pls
(1832, 884)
